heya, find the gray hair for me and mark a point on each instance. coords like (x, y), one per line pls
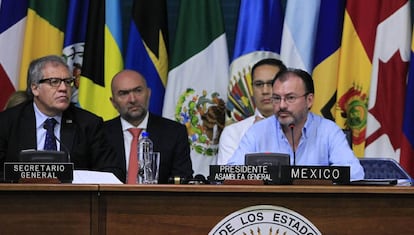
(35, 71)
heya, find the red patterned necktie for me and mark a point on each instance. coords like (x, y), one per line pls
(133, 158)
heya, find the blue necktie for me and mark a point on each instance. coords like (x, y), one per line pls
(50, 141)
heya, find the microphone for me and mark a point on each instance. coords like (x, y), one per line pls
(61, 144)
(291, 126)
(198, 179)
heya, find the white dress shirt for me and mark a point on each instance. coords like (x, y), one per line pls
(231, 136)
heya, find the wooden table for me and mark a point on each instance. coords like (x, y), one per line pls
(189, 209)
(48, 209)
(196, 209)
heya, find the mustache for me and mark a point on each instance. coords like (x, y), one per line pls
(284, 110)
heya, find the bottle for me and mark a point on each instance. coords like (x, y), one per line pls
(144, 148)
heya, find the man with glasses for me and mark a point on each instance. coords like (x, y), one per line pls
(262, 73)
(47, 121)
(308, 138)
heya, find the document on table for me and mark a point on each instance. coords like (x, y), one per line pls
(94, 177)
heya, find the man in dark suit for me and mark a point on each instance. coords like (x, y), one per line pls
(130, 96)
(80, 132)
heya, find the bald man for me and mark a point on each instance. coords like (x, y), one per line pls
(130, 96)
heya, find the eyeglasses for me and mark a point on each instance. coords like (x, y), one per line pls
(290, 99)
(261, 84)
(55, 82)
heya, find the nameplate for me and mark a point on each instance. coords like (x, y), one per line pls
(335, 174)
(269, 174)
(38, 172)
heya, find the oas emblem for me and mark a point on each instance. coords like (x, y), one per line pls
(264, 219)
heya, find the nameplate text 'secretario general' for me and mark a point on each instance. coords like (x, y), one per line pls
(38, 172)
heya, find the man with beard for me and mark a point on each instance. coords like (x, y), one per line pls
(316, 140)
(130, 96)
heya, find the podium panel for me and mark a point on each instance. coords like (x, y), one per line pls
(197, 209)
(48, 209)
(186, 209)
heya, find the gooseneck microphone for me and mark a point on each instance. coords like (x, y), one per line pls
(60, 142)
(292, 126)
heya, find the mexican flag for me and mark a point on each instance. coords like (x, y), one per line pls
(198, 78)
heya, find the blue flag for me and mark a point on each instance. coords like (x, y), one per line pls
(147, 48)
(258, 36)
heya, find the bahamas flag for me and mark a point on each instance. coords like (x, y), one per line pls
(102, 57)
(147, 50)
(258, 36)
(373, 64)
(12, 24)
(326, 56)
(299, 33)
(407, 140)
(198, 79)
(46, 21)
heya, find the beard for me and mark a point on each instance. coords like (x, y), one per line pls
(291, 118)
(134, 116)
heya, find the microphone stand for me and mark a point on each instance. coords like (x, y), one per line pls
(291, 126)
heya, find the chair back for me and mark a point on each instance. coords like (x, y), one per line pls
(383, 168)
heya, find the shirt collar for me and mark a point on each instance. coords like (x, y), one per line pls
(41, 117)
(306, 127)
(257, 113)
(143, 125)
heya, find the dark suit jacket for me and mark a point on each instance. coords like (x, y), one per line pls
(81, 133)
(169, 138)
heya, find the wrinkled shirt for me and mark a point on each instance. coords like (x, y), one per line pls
(322, 143)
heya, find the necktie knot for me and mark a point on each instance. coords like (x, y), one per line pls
(50, 124)
(135, 132)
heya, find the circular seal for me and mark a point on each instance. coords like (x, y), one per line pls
(264, 219)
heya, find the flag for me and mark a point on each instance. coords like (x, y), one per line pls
(407, 140)
(12, 25)
(258, 36)
(196, 90)
(147, 47)
(388, 80)
(326, 56)
(102, 57)
(299, 33)
(75, 31)
(371, 45)
(74, 41)
(44, 33)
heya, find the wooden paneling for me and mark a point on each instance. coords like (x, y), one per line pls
(48, 209)
(196, 209)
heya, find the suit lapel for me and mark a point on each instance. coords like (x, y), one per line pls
(68, 130)
(28, 128)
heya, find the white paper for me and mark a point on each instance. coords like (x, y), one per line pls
(94, 177)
